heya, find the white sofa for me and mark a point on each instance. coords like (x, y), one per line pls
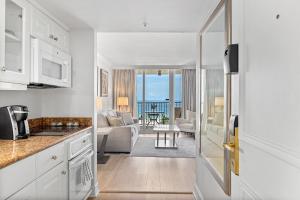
(121, 139)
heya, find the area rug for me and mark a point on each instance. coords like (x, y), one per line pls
(145, 147)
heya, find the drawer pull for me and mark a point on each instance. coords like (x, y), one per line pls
(84, 141)
(54, 157)
(63, 172)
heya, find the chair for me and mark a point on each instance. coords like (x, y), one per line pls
(188, 124)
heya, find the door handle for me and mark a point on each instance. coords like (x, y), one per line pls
(229, 147)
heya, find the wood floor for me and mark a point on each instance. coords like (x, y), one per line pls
(134, 196)
(128, 174)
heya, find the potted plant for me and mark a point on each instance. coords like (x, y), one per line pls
(164, 119)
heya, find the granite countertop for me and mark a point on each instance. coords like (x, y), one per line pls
(13, 151)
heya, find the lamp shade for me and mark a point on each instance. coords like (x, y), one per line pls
(98, 103)
(219, 101)
(122, 101)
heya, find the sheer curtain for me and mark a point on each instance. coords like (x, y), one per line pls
(189, 90)
(124, 86)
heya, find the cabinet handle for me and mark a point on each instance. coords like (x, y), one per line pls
(3, 69)
(51, 36)
(63, 172)
(20, 70)
(55, 38)
(54, 157)
(84, 141)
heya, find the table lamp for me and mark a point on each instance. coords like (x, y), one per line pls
(122, 102)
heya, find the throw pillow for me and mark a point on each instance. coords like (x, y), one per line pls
(112, 113)
(127, 119)
(115, 121)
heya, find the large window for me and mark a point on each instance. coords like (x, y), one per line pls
(153, 95)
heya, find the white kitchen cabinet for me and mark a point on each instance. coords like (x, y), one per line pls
(14, 41)
(27, 193)
(53, 184)
(44, 28)
(40, 25)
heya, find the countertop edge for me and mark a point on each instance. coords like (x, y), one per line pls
(62, 139)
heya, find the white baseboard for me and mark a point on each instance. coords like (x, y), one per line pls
(197, 193)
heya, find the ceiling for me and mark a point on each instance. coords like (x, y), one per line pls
(127, 49)
(130, 15)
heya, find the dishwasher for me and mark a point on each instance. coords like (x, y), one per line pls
(80, 168)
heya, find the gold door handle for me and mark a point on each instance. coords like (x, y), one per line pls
(229, 147)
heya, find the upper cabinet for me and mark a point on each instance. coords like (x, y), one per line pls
(14, 41)
(44, 28)
(21, 22)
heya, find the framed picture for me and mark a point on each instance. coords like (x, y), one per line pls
(102, 83)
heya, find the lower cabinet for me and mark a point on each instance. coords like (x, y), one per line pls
(27, 193)
(53, 184)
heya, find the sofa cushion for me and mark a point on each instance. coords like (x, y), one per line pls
(127, 118)
(115, 121)
(102, 121)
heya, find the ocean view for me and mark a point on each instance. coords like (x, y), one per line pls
(157, 87)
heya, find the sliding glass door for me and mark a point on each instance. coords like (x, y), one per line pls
(158, 96)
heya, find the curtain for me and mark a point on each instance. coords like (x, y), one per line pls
(189, 90)
(124, 86)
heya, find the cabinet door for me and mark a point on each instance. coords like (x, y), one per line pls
(16, 58)
(41, 26)
(2, 31)
(61, 39)
(27, 193)
(53, 184)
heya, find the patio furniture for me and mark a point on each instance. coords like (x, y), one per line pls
(166, 129)
(153, 116)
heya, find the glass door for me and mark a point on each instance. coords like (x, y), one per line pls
(15, 62)
(215, 89)
(153, 97)
(157, 101)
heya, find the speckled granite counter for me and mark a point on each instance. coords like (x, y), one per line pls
(13, 151)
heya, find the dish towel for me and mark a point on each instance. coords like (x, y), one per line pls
(86, 172)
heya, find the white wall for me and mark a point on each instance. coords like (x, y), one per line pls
(103, 63)
(30, 98)
(77, 101)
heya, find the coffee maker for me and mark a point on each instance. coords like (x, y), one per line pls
(13, 122)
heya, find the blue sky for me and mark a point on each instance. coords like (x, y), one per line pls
(157, 87)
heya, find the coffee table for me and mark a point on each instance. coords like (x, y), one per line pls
(166, 129)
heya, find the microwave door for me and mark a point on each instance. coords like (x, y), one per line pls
(53, 70)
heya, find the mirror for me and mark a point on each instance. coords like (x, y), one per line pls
(214, 40)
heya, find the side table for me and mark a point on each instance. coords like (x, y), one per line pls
(101, 158)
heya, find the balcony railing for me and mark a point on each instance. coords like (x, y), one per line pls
(152, 108)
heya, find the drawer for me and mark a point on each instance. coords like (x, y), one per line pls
(14, 177)
(80, 144)
(49, 158)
